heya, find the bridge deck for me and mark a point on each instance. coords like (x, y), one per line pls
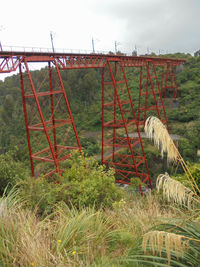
(60, 54)
(10, 60)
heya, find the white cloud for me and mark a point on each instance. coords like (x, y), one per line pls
(158, 24)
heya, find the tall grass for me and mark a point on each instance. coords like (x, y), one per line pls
(71, 237)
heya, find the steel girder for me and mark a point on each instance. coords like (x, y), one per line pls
(10, 63)
(73, 61)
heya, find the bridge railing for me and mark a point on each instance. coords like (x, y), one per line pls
(56, 50)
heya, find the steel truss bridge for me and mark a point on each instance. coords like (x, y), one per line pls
(50, 127)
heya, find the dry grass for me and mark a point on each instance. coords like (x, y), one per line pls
(25, 240)
(75, 238)
(70, 238)
(165, 243)
(138, 214)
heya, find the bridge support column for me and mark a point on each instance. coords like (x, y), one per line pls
(169, 86)
(119, 150)
(150, 98)
(51, 132)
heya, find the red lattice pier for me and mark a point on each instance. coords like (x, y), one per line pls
(50, 127)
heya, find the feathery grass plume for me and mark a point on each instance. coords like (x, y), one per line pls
(159, 241)
(154, 129)
(174, 191)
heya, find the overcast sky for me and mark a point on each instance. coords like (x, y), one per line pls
(165, 25)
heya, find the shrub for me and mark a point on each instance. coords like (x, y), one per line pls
(89, 145)
(195, 171)
(89, 183)
(11, 171)
(187, 149)
(84, 183)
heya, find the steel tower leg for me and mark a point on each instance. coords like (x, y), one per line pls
(169, 86)
(120, 149)
(26, 119)
(51, 132)
(176, 92)
(150, 98)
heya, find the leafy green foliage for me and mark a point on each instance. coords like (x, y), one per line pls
(84, 183)
(11, 170)
(187, 149)
(90, 146)
(185, 119)
(195, 172)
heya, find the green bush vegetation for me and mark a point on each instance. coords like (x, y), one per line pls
(195, 171)
(11, 170)
(83, 184)
(90, 146)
